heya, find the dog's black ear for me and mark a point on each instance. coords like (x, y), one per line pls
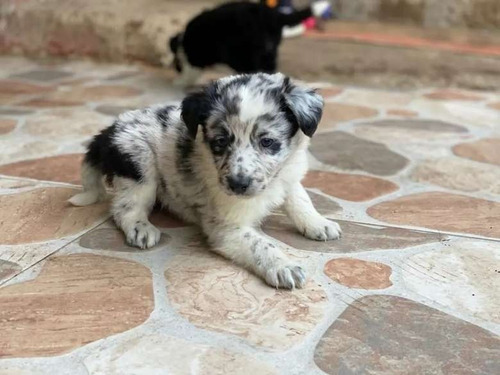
(305, 105)
(195, 109)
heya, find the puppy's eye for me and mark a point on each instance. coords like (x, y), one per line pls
(221, 142)
(266, 142)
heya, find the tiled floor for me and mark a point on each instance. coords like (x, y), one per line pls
(413, 287)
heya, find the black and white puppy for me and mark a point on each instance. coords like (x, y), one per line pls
(245, 36)
(249, 159)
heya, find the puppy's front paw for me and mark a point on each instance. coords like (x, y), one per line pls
(143, 235)
(286, 276)
(322, 230)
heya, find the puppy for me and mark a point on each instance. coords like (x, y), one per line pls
(249, 159)
(245, 36)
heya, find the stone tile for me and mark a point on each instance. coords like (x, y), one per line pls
(484, 150)
(335, 113)
(61, 168)
(356, 237)
(95, 93)
(161, 354)
(214, 294)
(357, 273)
(48, 103)
(113, 239)
(393, 335)
(348, 152)
(7, 125)
(11, 87)
(402, 113)
(8, 269)
(75, 300)
(453, 95)
(66, 123)
(409, 131)
(458, 174)
(350, 187)
(13, 151)
(44, 214)
(442, 211)
(14, 111)
(495, 105)
(43, 75)
(377, 98)
(329, 92)
(463, 277)
(112, 110)
(164, 219)
(10, 183)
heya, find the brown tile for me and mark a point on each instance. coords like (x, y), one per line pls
(7, 125)
(458, 174)
(432, 126)
(113, 239)
(355, 237)
(495, 105)
(348, 152)
(11, 87)
(485, 150)
(62, 168)
(329, 92)
(216, 295)
(393, 335)
(335, 113)
(350, 187)
(44, 214)
(48, 103)
(8, 269)
(164, 219)
(75, 300)
(112, 110)
(357, 273)
(442, 211)
(95, 93)
(402, 113)
(43, 75)
(453, 95)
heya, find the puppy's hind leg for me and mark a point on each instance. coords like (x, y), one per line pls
(131, 207)
(93, 187)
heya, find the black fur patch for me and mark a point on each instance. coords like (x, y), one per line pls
(163, 114)
(184, 146)
(104, 155)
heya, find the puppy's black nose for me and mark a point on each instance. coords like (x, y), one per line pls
(239, 185)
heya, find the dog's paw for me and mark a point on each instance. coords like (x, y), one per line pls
(322, 230)
(143, 235)
(286, 276)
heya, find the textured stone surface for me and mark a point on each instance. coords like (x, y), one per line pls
(43, 75)
(402, 113)
(335, 113)
(49, 103)
(348, 152)
(458, 174)
(357, 273)
(113, 239)
(96, 93)
(8, 269)
(355, 237)
(75, 300)
(11, 87)
(157, 354)
(112, 110)
(4, 111)
(164, 219)
(393, 335)
(485, 150)
(44, 214)
(214, 294)
(350, 187)
(495, 105)
(442, 211)
(464, 277)
(66, 123)
(7, 125)
(376, 98)
(12, 151)
(329, 92)
(62, 168)
(453, 95)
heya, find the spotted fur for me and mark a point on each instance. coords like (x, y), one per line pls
(222, 160)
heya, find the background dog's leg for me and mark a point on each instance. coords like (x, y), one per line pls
(189, 76)
(131, 207)
(307, 220)
(248, 248)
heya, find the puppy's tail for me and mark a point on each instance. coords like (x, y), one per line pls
(93, 187)
(318, 9)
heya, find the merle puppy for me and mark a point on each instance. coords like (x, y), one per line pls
(249, 159)
(245, 36)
